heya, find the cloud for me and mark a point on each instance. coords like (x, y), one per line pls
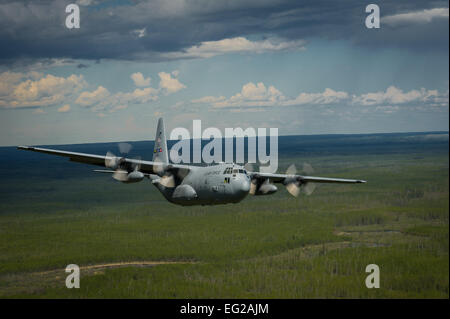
(118, 107)
(208, 49)
(253, 95)
(387, 109)
(394, 95)
(8, 81)
(328, 96)
(416, 17)
(258, 95)
(101, 99)
(138, 96)
(140, 33)
(169, 84)
(33, 89)
(139, 79)
(209, 99)
(90, 98)
(38, 111)
(82, 66)
(85, 2)
(65, 108)
(150, 30)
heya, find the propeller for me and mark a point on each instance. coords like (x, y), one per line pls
(120, 175)
(111, 161)
(166, 177)
(253, 183)
(125, 148)
(167, 180)
(114, 162)
(309, 187)
(293, 184)
(136, 166)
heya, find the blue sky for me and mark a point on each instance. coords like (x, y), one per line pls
(230, 64)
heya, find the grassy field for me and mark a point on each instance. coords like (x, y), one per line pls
(265, 247)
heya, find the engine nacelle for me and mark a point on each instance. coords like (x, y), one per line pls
(184, 192)
(266, 189)
(133, 177)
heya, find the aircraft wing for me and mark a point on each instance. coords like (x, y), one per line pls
(282, 178)
(148, 167)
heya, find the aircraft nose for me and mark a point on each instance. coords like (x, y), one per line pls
(245, 186)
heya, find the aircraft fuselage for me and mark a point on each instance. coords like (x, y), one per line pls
(210, 185)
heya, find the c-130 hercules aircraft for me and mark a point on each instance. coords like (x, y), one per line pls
(188, 185)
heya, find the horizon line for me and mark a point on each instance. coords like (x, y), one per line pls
(289, 135)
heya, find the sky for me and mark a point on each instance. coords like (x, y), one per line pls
(304, 67)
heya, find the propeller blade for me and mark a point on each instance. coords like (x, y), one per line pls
(136, 166)
(293, 189)
(292, 170)
(309, 188)
(110, 160)
(158, 168)
(125, 148)
(308, 169)
(120, 175)
(253, 186)
(167, 181)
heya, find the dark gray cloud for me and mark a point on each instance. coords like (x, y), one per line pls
(150, 29)
(82, 66)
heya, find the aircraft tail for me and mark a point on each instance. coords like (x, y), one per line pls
(160, 153)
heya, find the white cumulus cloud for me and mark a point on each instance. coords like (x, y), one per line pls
(394, 95)
(90, 98)
(169, 84)
(423, 16)
(64, 108)
(258, 95)
(209, 49)
(328, 96)
(36, 90)
(139, 79)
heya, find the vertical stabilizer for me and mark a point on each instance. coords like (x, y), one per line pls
(160, 151)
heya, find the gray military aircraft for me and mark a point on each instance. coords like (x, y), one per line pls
(195, 185)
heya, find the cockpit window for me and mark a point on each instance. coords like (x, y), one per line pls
(227, 170)
(235, 171)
